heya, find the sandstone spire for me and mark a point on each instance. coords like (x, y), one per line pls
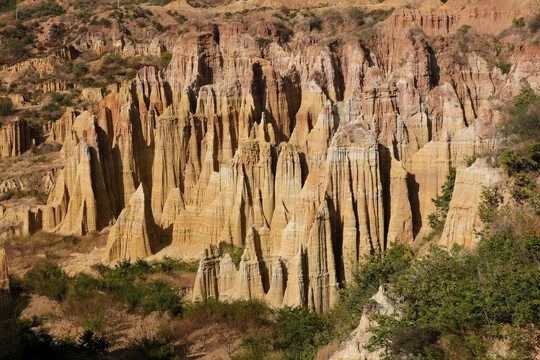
(134, 235)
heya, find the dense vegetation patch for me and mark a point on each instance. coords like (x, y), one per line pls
(6, 106)
(49, 8)
(125, 282)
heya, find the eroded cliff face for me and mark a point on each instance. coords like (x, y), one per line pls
(310, 152)
(14, 138)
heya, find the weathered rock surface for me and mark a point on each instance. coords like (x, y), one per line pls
(134, 235)
(353, 349)
(309, 153)
(14, 138)
(462, 220)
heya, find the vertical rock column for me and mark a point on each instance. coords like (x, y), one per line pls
(14, 138)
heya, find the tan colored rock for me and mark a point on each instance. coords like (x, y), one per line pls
(4, 280)
(248, 279)
(172, 208)
(54, 85)
(134, 235)
(206, 281)
(91, 95)
(17, 100)
(32, 221)
(462, 221)
(322, 278)
(311, 153)
(400, 228)
(10, 185)
(14, 138)
(353, 348)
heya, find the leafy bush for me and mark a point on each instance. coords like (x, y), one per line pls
(253, 347)
(297, 330)
(510, 161)
(489, 203)
(523, 119)
(48, 280)
(504, 66)
(159, 296)
(168, 264)
(157, 25)
(92, 343)
(442, 202)
(446, 296)
(519, 22)
(124, 282)
(6, 106)
(526, 97)
(514, 161)
(49, 8)
(70, 239)
(79, 70)
(7, 5)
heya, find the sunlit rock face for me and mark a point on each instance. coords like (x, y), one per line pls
(308, 153)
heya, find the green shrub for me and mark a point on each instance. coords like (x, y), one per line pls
(83, 287)
(33, 345)
(7, 5)
(6, 106)
(70, 239)
(489, 203)
(48, 280)
(523, 119)
(315, 23)
(526, 97)
(159, 296)
(504, 66)
(519, 22)
(253, 347)
(297, 330)
(463, 295)
(442, 202)
(79, 70)
(533, 156)
(510, 161)
(157, 25)
(463, 29)
(49, 8)
(168, 264)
